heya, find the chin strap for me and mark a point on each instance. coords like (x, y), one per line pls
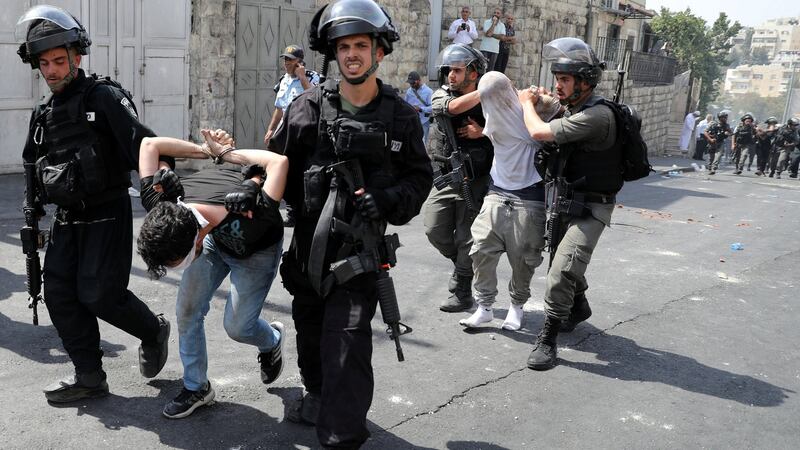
(68, 78)
(370, 71)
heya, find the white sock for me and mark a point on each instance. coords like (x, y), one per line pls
(480, 316)
(513, 319)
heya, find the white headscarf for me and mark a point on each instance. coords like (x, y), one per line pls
(514, 148)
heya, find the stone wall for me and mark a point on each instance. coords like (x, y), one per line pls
(212, 53)
(213, 49)
(653, 103)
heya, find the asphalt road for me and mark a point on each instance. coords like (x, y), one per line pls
(691, 345)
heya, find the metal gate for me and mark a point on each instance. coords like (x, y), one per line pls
(263, 30)
(141, 43)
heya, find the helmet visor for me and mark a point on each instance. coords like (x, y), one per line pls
(569, 50)
(49, 13)
(455, 55)
(353, 10)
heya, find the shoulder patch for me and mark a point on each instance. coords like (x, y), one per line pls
(127, 104)
(396, 146)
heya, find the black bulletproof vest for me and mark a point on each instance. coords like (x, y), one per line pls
(66, 128)
(594, 170)
(744, 134)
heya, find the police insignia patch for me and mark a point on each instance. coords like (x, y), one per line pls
(396, 146)
(127, 104)
(90, 116)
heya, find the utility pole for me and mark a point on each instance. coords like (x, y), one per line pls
(789, 91)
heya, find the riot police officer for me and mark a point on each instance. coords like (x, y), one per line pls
(743, 139)
(715, 134)
(449, 210)
(356, 121)
(765, 135)
(84, 141)
(785, 141)
(590, 160)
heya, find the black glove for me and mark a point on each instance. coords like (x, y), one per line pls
(373, 204)
(540, 160)
(170, 184)
(244, 198)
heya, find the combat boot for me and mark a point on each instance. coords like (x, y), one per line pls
(544, 355)
(580, 311)
(78, 387)
(153, 355)
(461, 299)
(306, 410)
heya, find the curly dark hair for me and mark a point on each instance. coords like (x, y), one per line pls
(167, 235)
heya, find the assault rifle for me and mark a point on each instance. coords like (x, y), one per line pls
(620, 81)
(377, 253)
(32, 239)
(461, 170)
(562, 200)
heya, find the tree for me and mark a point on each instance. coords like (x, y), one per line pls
(759, 56)
(760, 107)
(703, 50)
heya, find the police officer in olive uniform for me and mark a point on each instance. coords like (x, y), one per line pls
(744, 136)
(785, 141)
(356, 119)
(448, 216)
(592, 161)
(715, 134)
(84, 141)
(765, 135)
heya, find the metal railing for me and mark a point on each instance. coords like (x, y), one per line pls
(651, 69)
(611, 50)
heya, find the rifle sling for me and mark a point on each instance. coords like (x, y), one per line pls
(319, 244)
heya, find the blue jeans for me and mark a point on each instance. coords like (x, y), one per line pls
(251, 279)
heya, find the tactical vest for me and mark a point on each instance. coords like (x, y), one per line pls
(367, 137)
(744, 135)
(594, 170)
(481, 151)
(72, 173)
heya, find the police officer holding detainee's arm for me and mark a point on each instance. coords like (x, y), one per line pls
(591, 160)
(84, 141)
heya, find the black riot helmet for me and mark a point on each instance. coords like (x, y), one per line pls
(771, 120)
(793, 122)
(459, 55)
(342, 18)
(748, 116)
(722, 115)
(573, 56)
(45, 27)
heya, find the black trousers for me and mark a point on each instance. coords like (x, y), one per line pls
(763, 157)
(334, 351)
(502, 61)
(699, 149)
(86, 272)
(795, 162)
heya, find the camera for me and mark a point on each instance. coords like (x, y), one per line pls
(463, 26)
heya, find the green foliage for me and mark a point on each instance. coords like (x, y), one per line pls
(759, 56)
(760, 107)
(701, 49)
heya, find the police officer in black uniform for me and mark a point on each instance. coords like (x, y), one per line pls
(765, 135)
(448, 214)
(83, 167)
(744, 136)
(356, 119)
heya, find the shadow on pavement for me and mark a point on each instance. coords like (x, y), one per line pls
(473, 445)
(625, 360)
(41, 343)
(642, 194)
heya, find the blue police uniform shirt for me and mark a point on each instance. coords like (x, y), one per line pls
(425, 92)
(289, 88)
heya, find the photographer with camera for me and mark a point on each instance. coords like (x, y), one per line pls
(463, 30)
